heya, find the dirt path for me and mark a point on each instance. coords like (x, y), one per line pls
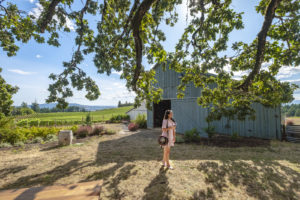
(128, 164)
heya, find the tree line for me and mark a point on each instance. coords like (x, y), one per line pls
(120, 104)
(292, 110)
(24, 109)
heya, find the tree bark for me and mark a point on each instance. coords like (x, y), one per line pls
(48, 15)
(261, 43)
(136, 23)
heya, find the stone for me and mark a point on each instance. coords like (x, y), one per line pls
(65, 137)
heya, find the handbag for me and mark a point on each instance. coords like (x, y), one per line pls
(163, 140)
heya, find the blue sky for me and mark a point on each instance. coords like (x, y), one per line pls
(29, 70)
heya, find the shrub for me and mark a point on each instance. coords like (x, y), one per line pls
(74, 129)
(179, 139)
(210, 130)
(141, 121)
(119, 118)
(83, 131)
(97, 130)
(289, 122)
(5, 145)
(110, 132)
(191, 136)
(88, 119)
(37, 140)
(235, 135)
(51, 138)
(11, 136)
(133, 127)
(19, 144)
(35, 122)
(23, 123)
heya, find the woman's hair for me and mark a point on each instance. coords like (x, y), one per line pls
(167, 115)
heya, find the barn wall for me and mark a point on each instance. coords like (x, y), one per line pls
(189, 114)
(133, 113)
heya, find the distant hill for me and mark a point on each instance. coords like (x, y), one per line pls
(86, 107)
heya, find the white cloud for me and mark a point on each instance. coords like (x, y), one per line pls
(38, 56)
(288, 71)
(36, 12)
(118, 73)
(31, 1)
(21, 72)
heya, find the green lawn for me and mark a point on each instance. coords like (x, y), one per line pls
(100, 115)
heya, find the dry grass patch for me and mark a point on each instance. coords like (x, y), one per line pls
(129, 166)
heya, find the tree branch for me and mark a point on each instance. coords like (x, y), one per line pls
(48, 15)
(136, 23)
(261, 43)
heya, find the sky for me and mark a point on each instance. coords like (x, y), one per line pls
(30, 68)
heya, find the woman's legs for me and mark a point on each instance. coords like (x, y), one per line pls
(167, 150)
(164, 156)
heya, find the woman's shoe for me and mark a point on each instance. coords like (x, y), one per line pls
(170, 167)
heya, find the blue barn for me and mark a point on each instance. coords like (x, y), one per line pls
(188, 114)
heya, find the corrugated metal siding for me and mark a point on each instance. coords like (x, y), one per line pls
(149, 118)
(189, 114)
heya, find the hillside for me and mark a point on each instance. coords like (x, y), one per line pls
(99, 115)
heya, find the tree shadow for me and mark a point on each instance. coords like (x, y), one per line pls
(204, 195)
(48, 177)
(13, 170)
(262, 180)
(158, 188)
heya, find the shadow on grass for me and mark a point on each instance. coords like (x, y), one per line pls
(261, 180)
(13, 170)
(158, 188)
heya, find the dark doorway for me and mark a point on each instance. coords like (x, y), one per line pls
(159, 111)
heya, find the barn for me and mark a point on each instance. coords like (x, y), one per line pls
(188, 114)
(134, 112)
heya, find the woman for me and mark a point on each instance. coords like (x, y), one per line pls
(168, 130)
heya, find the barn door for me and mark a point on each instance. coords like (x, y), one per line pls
(159, 111)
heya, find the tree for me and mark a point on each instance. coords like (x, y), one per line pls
(24, 105)
(297, 113)
(129, 31)
(35, 106)
(6, 93)
(119, 104)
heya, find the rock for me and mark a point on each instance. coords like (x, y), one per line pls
(65, 137)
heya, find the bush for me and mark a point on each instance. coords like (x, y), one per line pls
(191, 136)
(35, 122)
(19, 144)
(88, 119)
(210, 130)
(179, 139)
(37, 140)
(83, 131)
(5, 145)
(97, 130)
(74, 129)
(23, 123)
(119, 118)
(110, 132)
(11, 136)
(133, 127)
(235, 135)
(51, 138)
(141, 121)
(289, 122)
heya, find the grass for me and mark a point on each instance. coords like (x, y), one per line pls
(101, 115)
(129, 165)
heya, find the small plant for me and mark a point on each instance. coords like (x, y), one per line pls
(111, 132)
(37, 140)
(51, 138)
(141, 121)
(119, 118)
(191, 136)
(5, 145)
(210, 130)
(74, 128)
(289, 122)
(19, 144)
(88, 119)
(133, 127)
(235, 135)
(97, 130)
(179, 139)
(83, 131)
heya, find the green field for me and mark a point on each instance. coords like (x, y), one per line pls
(100, 115)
